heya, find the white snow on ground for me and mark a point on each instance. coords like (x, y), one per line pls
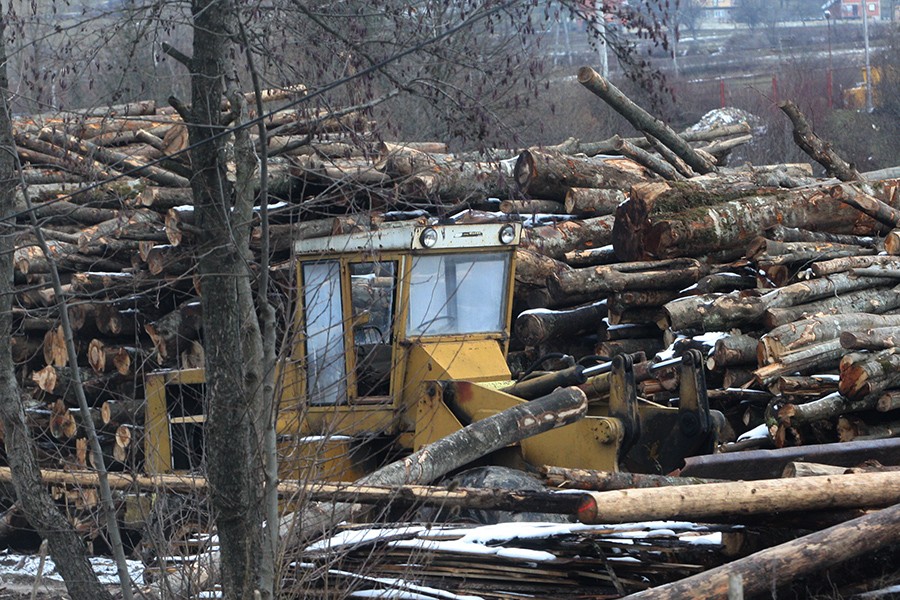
(352, 537)
(27, 567)
(498, 540)
(759, 432)
(721, 117)
(398, 589)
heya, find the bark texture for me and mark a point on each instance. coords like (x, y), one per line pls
(233, 456)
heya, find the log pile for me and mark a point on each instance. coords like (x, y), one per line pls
(648, 246)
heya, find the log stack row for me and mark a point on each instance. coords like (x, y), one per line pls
(108, 191)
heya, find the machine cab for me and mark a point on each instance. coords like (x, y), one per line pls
(377, 314)
(373, 305)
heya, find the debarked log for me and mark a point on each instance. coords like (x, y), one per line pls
(740, 498)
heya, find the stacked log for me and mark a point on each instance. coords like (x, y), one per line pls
(778, 277)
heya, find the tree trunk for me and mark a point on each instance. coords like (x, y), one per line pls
(651, 161)
(779, 565)
(733, 350)
(718, 312)
(814, 386)
(875, 208)
(173, 333)
(66, 546)
(557, 239)
(771, 252)
(878, 338)
(709, 229)
(592, 257)
(767, 464)
(822, 355)
(231, 435)
(888, 401)
(531, 207)
(839, 265)
(792, 234)
(827, 407)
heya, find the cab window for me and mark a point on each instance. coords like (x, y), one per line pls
(458, 293)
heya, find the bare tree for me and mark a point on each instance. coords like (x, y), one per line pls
(65, 544)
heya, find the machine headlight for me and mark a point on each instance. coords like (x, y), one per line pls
(429, 238)
(507, 234)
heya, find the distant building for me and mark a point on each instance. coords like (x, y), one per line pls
(852, 9)
(717, 9)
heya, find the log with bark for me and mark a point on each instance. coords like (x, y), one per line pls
(534, 327)
(782, 564)
(815, 147)
(174, 332)
(549, 175)
(723, 311)
(642, 120)
(865, 376)
(875, 301)
(793, 336)
(877, 338)
(648, 275)
(701, 229)
(733, 350)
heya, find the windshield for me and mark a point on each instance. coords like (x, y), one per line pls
(458, 293)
